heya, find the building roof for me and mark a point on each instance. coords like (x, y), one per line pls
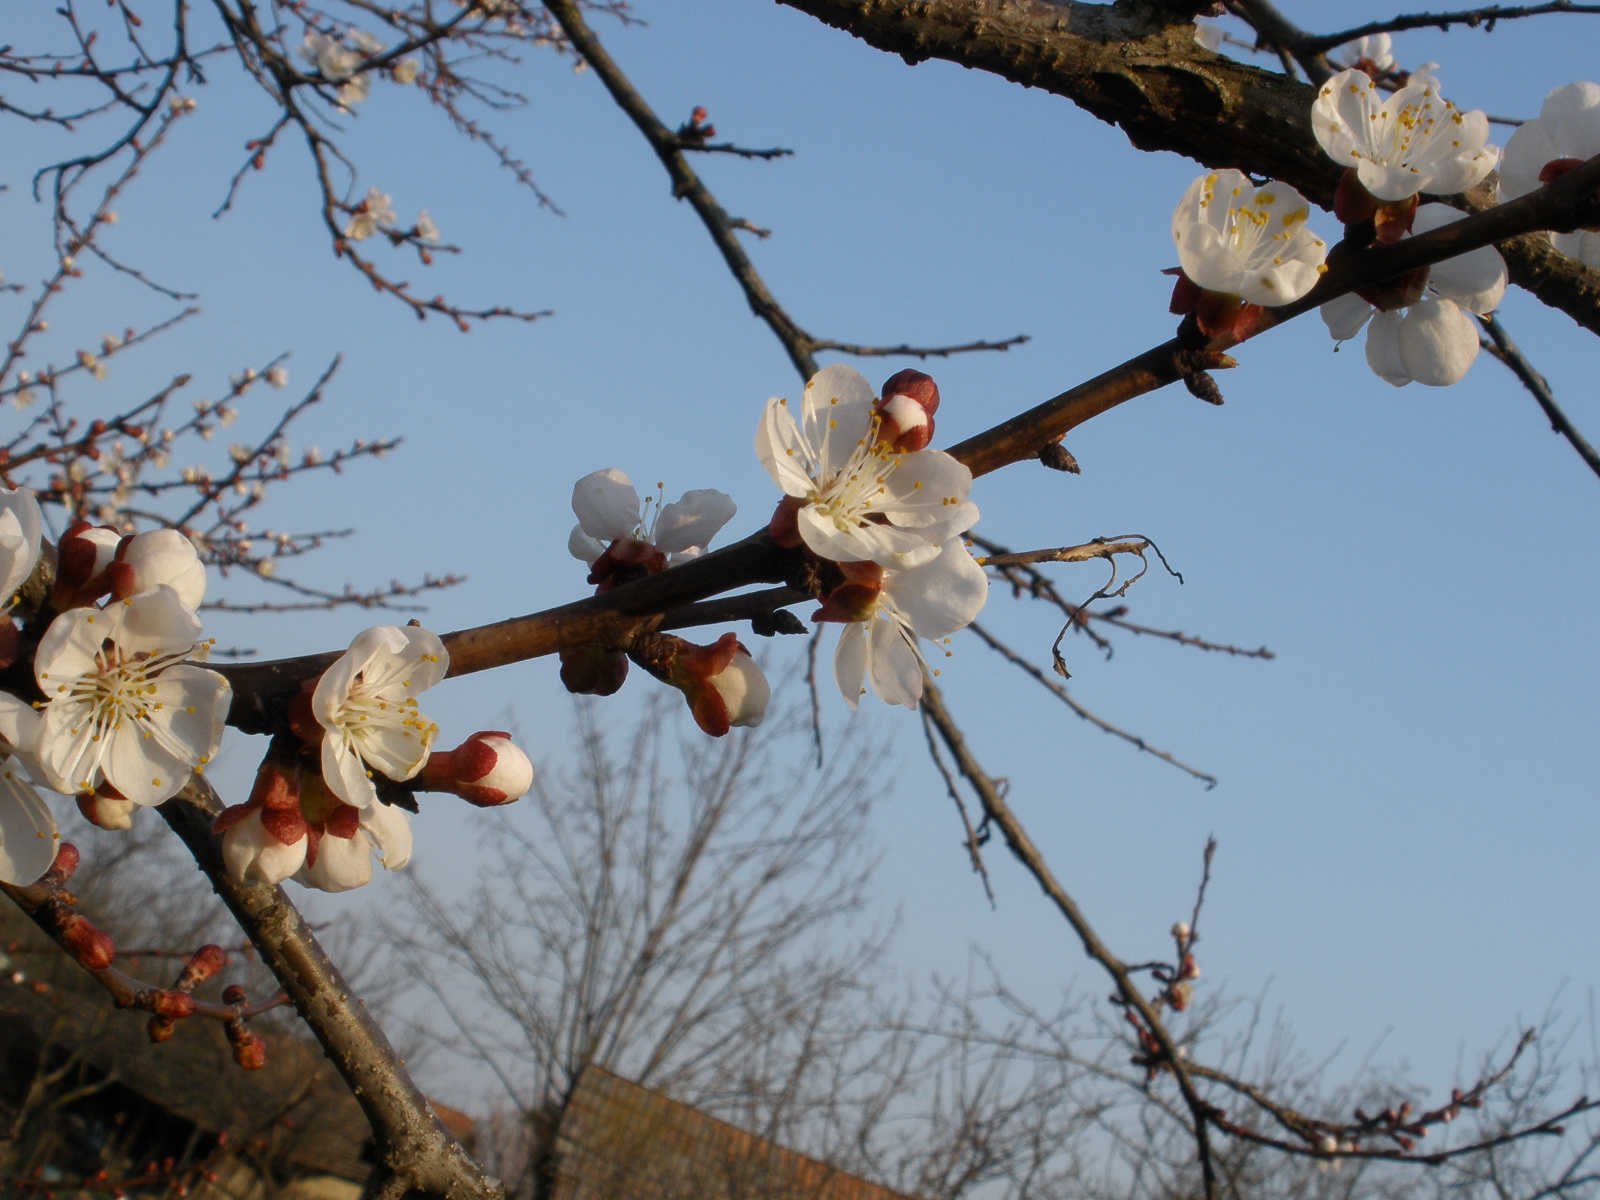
(620, 1141)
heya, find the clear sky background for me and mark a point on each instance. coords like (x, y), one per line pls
(1406, 809)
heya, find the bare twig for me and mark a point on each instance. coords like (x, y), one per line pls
(1502, 347)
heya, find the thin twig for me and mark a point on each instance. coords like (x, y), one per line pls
(1502, 347)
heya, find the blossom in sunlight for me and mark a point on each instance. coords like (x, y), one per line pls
(161, 556)
(406, 70)
(28, 837)
(1432, 341)
(488, 770)
(330, 56)
(1564, 134)
(366, 705)
(850, 495)
(615, 532)
(21, 527)
(1242, 241)
(341, 857)
(1371, 53)
(886, 613)
(122, 705)
(376, 211)
(426, 229)
(1401, 143)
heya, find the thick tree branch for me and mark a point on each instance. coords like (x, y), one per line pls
(415, 1152)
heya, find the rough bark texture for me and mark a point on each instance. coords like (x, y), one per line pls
(1126, 65)
(415, 1153)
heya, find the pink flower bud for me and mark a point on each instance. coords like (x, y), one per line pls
(488, 769)
(108, 812)
(905, 414)
(82, 558)
(162, 556)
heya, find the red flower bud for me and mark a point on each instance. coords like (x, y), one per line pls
(160, 1029)
(593, 670)
(1556, 168)
(249, 1051)
(234, 994)
(202, 965)
(1352, 203)
(94, 950)
(65, 864)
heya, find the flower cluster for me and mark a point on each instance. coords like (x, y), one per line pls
(1564, 134)
(863, 492)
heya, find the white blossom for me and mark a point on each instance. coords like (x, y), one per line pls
(376, 211)
(1375, 48)
(367, 707)
(344, 863)
(426, 229)
(608, 509)
(831, 460)
(1235, 238)
(21, 527)
(122, 706)
(1567, 128)
(929, 601)
(28, 837)
(329, 55)
(1405, 142)
(1433, 341)
(405, 71)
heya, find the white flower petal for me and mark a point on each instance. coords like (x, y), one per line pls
(893, 663)
(867, 542)
(1345, 315)
(942, 596)
(606, 504)
(1383, 349)
(21, 528)
(693, 520)
(850, 661)
(583, 547)
(254, 856)
(837, 411)
(1437, 342)
(783, 451)
(390, 830)
(345, 773)
(28, 837)
(342, 863)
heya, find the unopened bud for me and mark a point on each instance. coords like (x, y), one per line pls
(1181, 931)
(202, 965)
(1179, 995)
(1328, 1144)
(910, 398)
(160, 1029)
(65, 864)
(784, 528)
(107, 812)
(593, 671)
(83, 555)
(488, 769)
(722, 683)
(94, 949)
(162, 556)
(1189, 969)
(234, 994)
(249, 1051)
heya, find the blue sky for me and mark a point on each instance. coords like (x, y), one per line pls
(1406, 807)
